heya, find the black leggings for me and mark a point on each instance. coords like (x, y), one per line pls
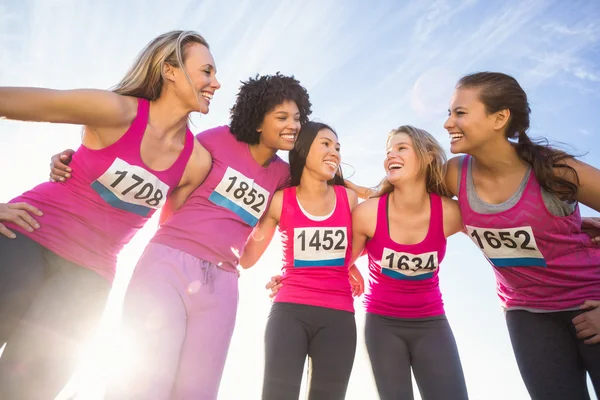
(326, 336)
(425, 344)
(552, 360)
(48, 307)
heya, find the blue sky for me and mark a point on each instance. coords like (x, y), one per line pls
(369, 67)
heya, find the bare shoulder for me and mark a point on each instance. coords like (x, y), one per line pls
(276, 205)
(367, 208)
(452, 168)
(352, 198)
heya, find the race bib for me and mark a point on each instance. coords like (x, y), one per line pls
(318, 247)
(408, 266)
(131, 188)
(241, 195)
(513, 247)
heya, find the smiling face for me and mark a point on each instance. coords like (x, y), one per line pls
(402, 162)
(469, 124)
(279, 129)
(197, 92)
(323, 159)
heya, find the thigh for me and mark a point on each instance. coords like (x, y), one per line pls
(154, 324)
(390, 359)
(286, 348)
(331, 354)
(45, 348)
(22, 267)
(210, 324)
(435, 361)
(547, 356)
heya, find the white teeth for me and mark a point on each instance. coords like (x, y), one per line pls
(289, 137)
(334, 165)
(207, 95)
(455, 137)
(394, 166)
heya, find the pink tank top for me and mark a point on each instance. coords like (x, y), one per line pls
(541, 261)
(316, 254)
(217, 218)
(110, 196)
(403, 279)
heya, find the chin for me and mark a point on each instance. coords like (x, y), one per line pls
(285, 146)
(457, 148)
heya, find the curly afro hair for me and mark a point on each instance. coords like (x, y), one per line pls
(258, 96)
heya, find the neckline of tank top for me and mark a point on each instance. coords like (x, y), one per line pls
(509, 203)
(272, 161)
(387, 223)
(316, 218)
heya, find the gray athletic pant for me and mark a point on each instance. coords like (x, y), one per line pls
(425, 344)
(325, 335)
(552, 360)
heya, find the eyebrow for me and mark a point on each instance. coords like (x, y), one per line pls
(211, 67)
(286, 113)
(331, 141)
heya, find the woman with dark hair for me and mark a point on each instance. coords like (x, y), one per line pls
(519, 201)
(313, 314)
(182, 300)
(403, 229)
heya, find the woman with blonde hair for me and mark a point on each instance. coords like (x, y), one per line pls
(182, 300)
(404, 230)
(60, 242)
(403, 226)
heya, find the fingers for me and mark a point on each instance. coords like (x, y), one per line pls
(59, 169)
(27, 207)
(585, 333)
(19, 215)
(591, 222)
(275, 290)
(580, 319)
(6, 232)
(593, 340)
(274, 281)
(590, 304)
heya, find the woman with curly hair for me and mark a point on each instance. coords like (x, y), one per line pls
(182, 300)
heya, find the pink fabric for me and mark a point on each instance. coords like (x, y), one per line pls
(316, 254)
(112, 193)
(217, 218)
(541, 261)
(181, 310)
(403, 279)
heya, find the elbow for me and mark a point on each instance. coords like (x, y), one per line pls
(246, 263)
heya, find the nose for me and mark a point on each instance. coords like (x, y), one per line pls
(449, 122)
(335, 152)
(294, 125)
(215, 83)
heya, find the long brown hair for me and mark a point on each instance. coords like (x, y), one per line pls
(431, 157)
(499, 91)
(297, 156)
